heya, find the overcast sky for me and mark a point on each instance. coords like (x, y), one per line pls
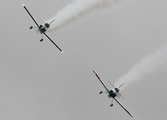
(37, 82)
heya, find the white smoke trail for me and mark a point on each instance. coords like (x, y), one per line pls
(76, 8)
(145, 66)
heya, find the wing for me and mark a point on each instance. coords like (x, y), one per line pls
(53, 42)
(101, 81)
(31, 15)
(123, 107)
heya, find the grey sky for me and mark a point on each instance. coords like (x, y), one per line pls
(37, 82)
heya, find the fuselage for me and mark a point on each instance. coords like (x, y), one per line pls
(112, 94)
(44, 27)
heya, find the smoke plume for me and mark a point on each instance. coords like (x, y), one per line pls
(147, 65)
(76, 8)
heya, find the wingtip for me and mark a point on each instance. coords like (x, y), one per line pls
(131, 115)
(23, 5)
(62, 51)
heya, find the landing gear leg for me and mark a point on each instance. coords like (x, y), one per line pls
(111, 103)
(31, 27)
(41, 38)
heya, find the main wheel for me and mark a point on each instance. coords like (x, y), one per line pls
(31, 27)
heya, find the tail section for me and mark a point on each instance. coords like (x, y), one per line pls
(52, 21)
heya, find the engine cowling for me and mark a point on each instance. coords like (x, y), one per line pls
(117, 90)
(47, 25)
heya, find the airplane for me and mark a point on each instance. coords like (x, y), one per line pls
(43, 28)
(112, 93)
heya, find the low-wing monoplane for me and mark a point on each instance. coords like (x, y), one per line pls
(43, 28)
(112, 93)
